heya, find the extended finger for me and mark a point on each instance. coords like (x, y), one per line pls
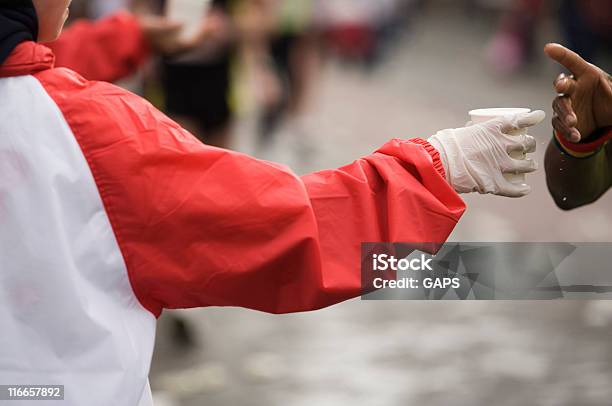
(519, 166)
(571, 60)
(562, 107)
(520, 121)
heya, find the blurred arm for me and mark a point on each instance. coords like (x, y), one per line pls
(106, 50)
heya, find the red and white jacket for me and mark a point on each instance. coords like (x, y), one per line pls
(110, 213)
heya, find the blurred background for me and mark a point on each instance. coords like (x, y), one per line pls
(317, 84)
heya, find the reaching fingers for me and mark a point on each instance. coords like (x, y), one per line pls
(562, 106)
(570, 133)
(525, 144)
(565, 85)
(531, 119)
(571, 60)
(520, 121)
(519, 166)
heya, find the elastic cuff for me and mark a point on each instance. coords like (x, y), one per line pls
(587, 149)
(435, 155)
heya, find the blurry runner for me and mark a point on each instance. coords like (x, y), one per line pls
(196, 84)
(357, 29)
(349, 27)
(513, 46)
(292, 49)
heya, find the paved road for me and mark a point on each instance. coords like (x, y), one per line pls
(400, 353)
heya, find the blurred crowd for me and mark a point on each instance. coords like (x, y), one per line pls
(263, 56)
(585, 26)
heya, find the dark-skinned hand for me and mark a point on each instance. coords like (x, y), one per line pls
(584, 103)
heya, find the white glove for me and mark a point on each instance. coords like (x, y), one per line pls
(477, 157)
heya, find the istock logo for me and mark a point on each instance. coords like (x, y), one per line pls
(384, 262)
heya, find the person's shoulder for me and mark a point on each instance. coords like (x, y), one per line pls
(67, 86)
(103, 111)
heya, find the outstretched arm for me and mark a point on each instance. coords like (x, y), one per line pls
(201, 226)
(578, 159)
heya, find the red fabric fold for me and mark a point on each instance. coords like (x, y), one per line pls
(27, 58)
(435, 155)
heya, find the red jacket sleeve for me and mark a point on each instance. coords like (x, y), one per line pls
(108, 50)
(201, 226)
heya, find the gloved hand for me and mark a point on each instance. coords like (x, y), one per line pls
(477, 157)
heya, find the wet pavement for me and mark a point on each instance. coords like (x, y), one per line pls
(409, 353)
